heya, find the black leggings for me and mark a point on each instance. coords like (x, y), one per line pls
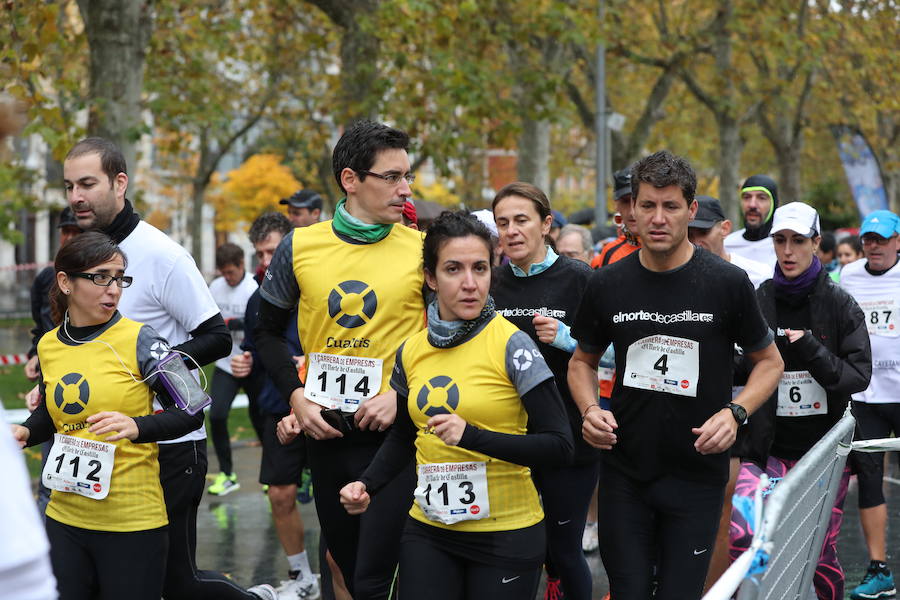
(182, 472)
(429, 570)
(223, 389)
(365, 547)
(107, 565)
(566, 494)
(668, 522)
(873, 421)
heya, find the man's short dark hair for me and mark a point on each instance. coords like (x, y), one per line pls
(111, 159)
(662, 169)
(229, 254)
(361, 143)
(266, 223)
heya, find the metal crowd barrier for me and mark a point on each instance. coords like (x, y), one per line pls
(786, 546)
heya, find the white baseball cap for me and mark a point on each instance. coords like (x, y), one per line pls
(797, 217)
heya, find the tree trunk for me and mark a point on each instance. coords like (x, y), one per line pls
(789, 176)
(533, 163)
(118, 32)
(730, 146)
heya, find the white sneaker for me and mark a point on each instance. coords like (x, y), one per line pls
(264, 592)
(302, 588)
(589, 542)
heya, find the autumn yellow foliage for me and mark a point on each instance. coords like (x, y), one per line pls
(254, 187)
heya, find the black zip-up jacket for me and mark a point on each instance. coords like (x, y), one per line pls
(835, 351)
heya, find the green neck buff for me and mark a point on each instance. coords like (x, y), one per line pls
(348, 225)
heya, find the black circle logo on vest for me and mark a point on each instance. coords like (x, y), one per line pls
(72, 393)
(440, 396)
(352, 303)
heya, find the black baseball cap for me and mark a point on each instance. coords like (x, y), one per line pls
(709, 212)
(304, 199)
(622, 184)
(67, 219)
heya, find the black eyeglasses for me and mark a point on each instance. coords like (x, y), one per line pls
(104, 280)
(392, 178)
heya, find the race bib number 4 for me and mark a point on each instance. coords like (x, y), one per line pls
(79, 466)
(799, 395)
(342, 382)
(663, 363)
(452, 492)
(881, 317)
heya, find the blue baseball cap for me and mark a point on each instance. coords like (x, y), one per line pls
(881, 222)
(559, 220)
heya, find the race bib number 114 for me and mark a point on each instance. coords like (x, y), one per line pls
(342, 382)
(663, 363)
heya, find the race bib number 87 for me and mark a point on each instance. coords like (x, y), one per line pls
(663, 363)
(79, 466)
(881, 317)
(452, 492)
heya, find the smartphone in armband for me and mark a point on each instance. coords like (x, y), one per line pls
(181, 385)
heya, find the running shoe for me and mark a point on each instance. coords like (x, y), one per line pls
(265, 488)
(875, 585)
(554, 589)
(302, 588)
(304, 490)
(224, 484)
(589, 541)
(264, 592)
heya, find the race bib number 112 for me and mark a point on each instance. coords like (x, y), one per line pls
(663, 363)
(79, 466)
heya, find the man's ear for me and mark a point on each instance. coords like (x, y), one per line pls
(726, 227)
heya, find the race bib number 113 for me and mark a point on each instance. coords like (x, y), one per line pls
(453, 492)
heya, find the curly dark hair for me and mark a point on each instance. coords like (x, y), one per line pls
(662, 169)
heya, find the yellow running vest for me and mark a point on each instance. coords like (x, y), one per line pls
(87, 379)
(359, 300)
(471, 381)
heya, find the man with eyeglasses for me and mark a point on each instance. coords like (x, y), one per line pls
(170, 295)
(357, 283)
(875, 285)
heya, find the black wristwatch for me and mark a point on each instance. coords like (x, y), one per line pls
(738, 412)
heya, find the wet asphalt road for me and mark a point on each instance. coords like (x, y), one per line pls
(235, 532)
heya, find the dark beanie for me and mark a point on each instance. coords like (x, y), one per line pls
(767, 183)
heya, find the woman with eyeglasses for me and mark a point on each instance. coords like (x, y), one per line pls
(821, 335)
(106, 520)
(476, 409)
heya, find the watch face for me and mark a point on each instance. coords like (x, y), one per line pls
(739, 412)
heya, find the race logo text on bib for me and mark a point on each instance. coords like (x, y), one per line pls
(881, 317)
(79, 466)
(799, 395)
(452, 492)
(663, 363)
(342, 382)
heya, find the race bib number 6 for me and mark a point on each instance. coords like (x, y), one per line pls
(452, 492)
(79, 466)
(342, 382)
(663, 363)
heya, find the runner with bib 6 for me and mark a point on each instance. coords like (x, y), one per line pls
(821, 334)
(106, 519)
(469, 388)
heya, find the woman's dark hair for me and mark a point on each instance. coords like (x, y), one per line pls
(450, 225)
(80, 254)
(529, 192)
(853, 242)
